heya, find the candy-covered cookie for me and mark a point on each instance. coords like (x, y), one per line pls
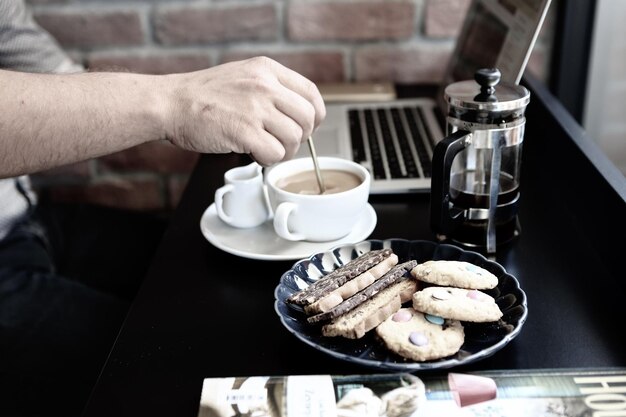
(455, 274)
(419, 337)
(457, 304)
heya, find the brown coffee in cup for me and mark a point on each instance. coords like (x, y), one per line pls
(335, 181)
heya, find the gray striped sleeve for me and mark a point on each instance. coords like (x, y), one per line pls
(25, 46)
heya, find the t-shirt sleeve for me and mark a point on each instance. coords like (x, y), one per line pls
(26, 46)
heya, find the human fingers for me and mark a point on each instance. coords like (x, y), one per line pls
(286, 130)
(265, 149)
(297, 108)
(303, 87)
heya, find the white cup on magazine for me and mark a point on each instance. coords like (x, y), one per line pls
(301, 213)
(241, 202)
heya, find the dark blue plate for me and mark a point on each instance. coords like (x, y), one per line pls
(481, 339)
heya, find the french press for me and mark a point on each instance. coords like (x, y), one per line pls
(476, 168)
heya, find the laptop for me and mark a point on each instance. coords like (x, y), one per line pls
(394, 138)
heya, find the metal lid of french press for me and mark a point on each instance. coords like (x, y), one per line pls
(486, 93)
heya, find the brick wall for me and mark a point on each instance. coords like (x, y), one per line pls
(325, 40)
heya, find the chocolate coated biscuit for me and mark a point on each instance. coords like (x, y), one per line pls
(390, 277)
(338, 277)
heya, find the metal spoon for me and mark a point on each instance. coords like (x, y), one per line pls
(318, 173)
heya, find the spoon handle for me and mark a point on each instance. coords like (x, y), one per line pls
(318, 173)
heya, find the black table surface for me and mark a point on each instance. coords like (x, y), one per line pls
(202, 312)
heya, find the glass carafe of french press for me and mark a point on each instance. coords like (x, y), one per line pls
(476, 168)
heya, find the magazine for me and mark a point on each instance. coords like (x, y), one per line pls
(578, 392)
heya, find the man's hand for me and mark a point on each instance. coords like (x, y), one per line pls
(256, 106)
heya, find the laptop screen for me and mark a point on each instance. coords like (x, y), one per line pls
(496, 33)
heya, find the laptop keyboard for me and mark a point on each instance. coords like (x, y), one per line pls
(393, 141)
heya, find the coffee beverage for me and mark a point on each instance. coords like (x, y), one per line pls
(467, 192)
(305, 182)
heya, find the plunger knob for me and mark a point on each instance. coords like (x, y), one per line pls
(487, 78)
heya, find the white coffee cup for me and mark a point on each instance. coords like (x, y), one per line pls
(241, 202)
(315, 217)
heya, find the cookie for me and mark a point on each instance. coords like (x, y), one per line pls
(351, 287)
(415, 336)
(358, 321)
(455, 274)
(335, 279)
(457, 304)
(365, 294)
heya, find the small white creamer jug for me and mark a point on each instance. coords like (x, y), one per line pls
(241, 202)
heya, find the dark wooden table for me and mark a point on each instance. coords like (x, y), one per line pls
(203, 313)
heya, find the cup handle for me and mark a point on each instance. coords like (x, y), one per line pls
(219, 202)
(281, 218)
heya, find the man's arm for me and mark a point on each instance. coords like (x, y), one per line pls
(256, 106)
(52, 120)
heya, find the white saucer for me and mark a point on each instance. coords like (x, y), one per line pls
(262, 242)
